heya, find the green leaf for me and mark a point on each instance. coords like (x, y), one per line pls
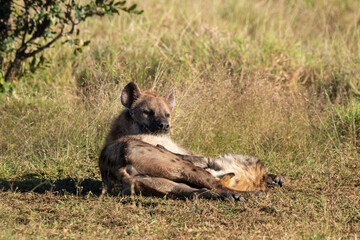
(42, 60)
(86, 43)
(56, 8)
(122, 3)
(41, 15)
(99, 2)
(138, 12)
(53, 20)
(31, 25)
(2, 75)
(77, 14)
(8, 40)
(131, 8)
(71, 43)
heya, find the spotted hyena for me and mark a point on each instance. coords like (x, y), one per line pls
(139, 157)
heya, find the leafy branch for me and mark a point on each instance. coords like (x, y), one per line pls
(28, 27)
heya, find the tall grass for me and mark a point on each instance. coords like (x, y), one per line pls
(275, 79)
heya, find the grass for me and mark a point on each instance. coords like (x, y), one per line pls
(275, 79)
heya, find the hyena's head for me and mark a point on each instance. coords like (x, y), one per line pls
(150, 112)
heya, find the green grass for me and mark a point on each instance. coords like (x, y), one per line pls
(275, 79)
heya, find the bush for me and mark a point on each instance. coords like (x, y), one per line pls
(28, 28)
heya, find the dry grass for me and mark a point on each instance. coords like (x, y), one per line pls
(275, 79)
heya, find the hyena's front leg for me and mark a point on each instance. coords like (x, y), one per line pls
(199, 161)
(112, 158)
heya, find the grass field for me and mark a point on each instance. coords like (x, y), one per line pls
(275, 79)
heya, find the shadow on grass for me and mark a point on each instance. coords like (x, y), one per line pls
(61, 186)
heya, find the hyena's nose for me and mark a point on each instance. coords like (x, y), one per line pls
(162, 125)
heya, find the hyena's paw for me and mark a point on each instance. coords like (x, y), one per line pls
(273, 180)
(241, 196)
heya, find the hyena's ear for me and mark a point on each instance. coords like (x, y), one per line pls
(130, 93)
(170, 98)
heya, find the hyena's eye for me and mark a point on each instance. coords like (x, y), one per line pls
(149, 112)
(167, 115)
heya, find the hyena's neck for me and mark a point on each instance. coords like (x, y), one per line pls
(122, 126)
